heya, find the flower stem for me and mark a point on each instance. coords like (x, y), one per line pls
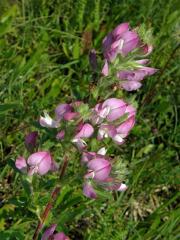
(53, 198)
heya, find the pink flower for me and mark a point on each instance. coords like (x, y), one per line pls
(131, 80)
(30, 141)
(39, 162)
(84, 130)
(100, 174)
(62, 112)
(111, 109)
(116, 133)
(49, 234)
(120, 41)
(99, 169)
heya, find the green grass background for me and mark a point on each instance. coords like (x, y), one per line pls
(44, 47)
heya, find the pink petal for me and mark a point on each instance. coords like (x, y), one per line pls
(126, 126)
(60, 135)
(105, 69)
(60, 236)
(101, 167)
(86, 131)
(130, 110)
(49, 232)
(131, 41)
(147, 49)
(116, 113)
(142, 61)
(61, 109)
(89, 191)
(106, 131)
(131, 85)
(120, 29)
(21, 164)
(117, 108)
(42, 160)
(70, 115)
(113, 103)
(45, 165)
(54, 166)
(107, 41)
(87, 156)
(149, 71)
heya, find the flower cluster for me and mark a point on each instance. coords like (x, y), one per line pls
(113, 118)
(39, 163)
(99, 173)
(108, 114)
(125, 60)
(124, 43)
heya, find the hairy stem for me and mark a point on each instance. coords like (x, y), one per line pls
(50, 204)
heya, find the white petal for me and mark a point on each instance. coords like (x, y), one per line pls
(105, 112)
(123, 187)
(121, 43)
(102, 151)
(47, 121)
(118, 138)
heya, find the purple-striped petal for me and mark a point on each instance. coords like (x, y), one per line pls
(86, 131)
(101, 167)
(40, 160)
